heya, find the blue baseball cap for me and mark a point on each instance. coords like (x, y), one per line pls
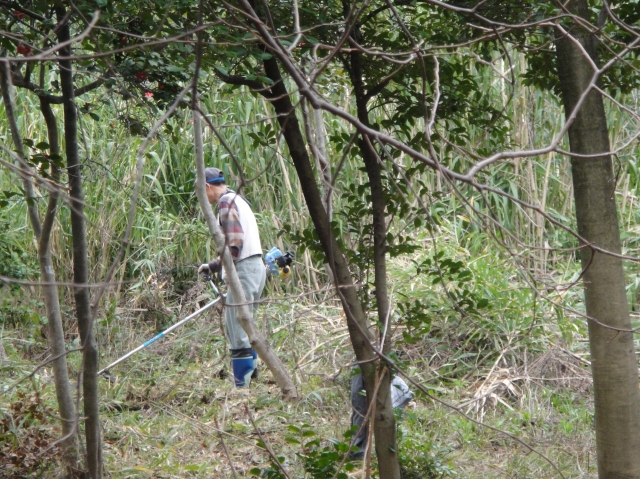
(213, 176)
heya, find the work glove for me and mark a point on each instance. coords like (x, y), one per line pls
(213, 267)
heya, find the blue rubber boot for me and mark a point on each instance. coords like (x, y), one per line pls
(242, 364)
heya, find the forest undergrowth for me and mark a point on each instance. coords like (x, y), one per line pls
(171, 410)
(489, 327)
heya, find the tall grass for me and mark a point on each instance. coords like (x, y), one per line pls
(507, 253)
(170, 238)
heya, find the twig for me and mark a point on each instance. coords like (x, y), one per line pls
(224, 447)
(266, 444)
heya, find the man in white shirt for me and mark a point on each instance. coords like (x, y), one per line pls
(239, 226)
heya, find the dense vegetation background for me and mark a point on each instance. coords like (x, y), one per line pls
(486, 311)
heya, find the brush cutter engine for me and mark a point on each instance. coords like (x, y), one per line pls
(279, 264)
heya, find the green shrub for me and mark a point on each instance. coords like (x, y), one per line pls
(17, 307)
(422, 460)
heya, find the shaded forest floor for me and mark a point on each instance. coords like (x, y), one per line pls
(172, 411)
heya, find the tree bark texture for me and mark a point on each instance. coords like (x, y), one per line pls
(613, 358)
(356, 318)
(80, 261)
(42, 231)
(357, 322)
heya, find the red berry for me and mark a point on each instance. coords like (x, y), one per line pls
(123, 40)
(18, 15)
(160, 86)
(24, 49)
(141, 76)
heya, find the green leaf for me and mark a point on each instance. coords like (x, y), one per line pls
(43, 145)
(57, 160)
(482, 303)
(8, 44)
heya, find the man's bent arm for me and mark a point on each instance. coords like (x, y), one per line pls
(230, 224)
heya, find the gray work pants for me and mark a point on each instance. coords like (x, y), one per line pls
(252, 274)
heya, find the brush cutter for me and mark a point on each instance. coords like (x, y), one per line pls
(105, 372)
(278, 264)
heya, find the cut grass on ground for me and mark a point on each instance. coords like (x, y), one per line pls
(173, 412)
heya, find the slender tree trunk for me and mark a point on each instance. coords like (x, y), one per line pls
(384, 425)
(356, 318)
(357, 322)
(50, 290)
(613, 358)
(27, 184)
(80, 260)
(42, 231)
(314, 129)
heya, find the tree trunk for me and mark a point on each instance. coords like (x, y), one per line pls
(613, 358)
(356, 318)
(384, 425)
(357, 322)
(27, 184)
(52, 302)
(80, 260)
(55, 336)
(314, 129)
